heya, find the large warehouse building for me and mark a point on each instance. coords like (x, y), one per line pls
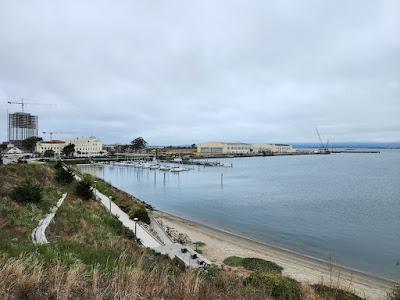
(242, 148)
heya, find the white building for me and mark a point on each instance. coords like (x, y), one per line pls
(242, 148)
(86, 147)
(274, 148)
(55, 146)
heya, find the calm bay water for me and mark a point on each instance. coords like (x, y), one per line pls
(344, 207)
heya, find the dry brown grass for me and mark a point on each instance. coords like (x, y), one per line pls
(12, 175)
(27, 278)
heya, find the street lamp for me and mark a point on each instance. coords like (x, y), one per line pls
(95, 188)
(110, 202)
(135, 219)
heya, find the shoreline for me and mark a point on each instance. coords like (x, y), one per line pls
(307, 269)
(220, 244)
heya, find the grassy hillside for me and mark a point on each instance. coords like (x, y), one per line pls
(91, 255)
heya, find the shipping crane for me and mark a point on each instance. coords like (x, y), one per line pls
(57, 132)
(324, 148)
(23, 103)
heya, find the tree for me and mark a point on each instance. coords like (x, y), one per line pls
(58, 165)
(69, 150)
(49, 153)
(64, 176)
(84, 190)
(138, 144)
(3, 146)
(29, 144)
(141, 214)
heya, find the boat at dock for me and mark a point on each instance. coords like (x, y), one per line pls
(178, 169)
(165, 168)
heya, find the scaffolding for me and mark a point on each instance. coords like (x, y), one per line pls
(21, 126)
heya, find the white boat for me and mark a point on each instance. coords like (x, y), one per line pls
(145, 166)
(154, 166)
(165, 168)
(138, 164)
(178, 169)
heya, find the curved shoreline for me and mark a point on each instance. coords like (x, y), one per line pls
(278, 248)
(221, 243)
(307, 269)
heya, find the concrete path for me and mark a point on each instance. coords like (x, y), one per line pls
(146, 238)
(161, 232)
(39, 233)
(188, 256)
(185, 254)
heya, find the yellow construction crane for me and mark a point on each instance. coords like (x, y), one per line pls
(56, 132)
(23, 103)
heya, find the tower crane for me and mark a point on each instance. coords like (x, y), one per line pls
(23, 103)
(57, 132)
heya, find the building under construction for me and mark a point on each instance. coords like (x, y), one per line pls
(21, 126)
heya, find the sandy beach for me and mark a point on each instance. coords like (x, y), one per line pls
(220, 244)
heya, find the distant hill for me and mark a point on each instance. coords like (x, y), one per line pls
(370, 145)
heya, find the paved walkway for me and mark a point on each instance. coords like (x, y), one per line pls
(185, 254)
(161, 232)
(145, 237)
(39, 233)
(188, 256)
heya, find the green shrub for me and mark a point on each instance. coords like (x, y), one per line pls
(64, 176)
(58, 164)
(141, 214)
(258, 264)
(276, 285)
(253, 264)
(27, 192)
(212, 271)
(234, 261)
(84, 190)
(197, 245)
(326, 292)
(49, 153)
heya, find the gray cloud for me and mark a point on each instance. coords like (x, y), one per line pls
(189, 71)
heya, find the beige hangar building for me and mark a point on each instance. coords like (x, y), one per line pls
(242, 148)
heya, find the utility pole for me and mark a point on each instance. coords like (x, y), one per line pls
(95, 189)
(136, 220)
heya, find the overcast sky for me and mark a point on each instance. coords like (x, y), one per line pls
(180, 72)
